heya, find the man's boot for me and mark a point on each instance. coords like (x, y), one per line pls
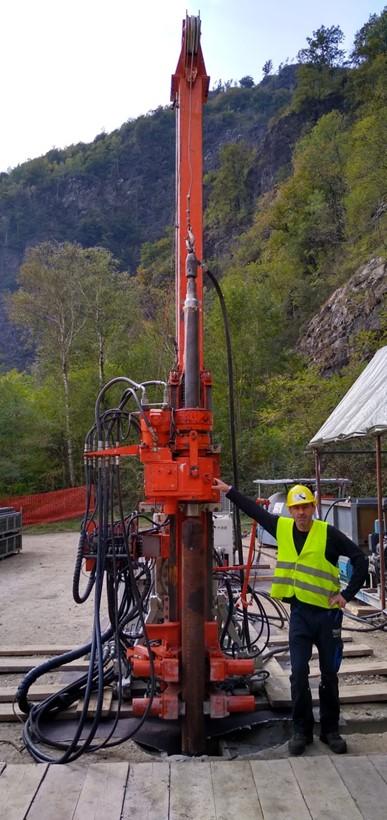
(335, 742)
(298, 742)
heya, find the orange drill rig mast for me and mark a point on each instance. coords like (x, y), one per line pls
(184, 490)
(189, 92)
(180, 481)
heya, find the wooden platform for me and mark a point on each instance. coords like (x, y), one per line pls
(344, 787)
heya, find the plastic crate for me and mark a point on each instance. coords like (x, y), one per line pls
(10, 522)
(10, 544)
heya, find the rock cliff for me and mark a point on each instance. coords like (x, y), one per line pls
(329, 338)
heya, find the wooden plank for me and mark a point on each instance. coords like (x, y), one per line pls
(191, 792)
(277, 686)
(147, 792)
(283, 640)
(365, 668)
(324, 792)
(356, 651)
(58, 793)
(279, 640)
(103, 792)
(10, 713)
(362, 609)
(380, 763)
(278, 803)
(106, 703)
(25, 664)
(278, 693)
(276, 670)
(235, 794)
(18, 785)
(365, 785)
(23, 650)
(36, 692)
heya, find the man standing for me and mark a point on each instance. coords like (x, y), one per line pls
(306, 576)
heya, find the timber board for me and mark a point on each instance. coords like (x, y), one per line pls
(16, 665)
(320, 788)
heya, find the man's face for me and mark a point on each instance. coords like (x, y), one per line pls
(303, 516)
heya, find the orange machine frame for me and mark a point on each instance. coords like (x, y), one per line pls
(180, 461)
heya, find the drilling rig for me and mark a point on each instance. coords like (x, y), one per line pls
(167, 649)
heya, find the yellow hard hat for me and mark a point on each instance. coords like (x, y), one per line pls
(299, 495)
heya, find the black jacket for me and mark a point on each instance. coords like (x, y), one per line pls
(337, 542)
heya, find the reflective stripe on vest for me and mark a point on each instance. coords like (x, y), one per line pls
(308, 576)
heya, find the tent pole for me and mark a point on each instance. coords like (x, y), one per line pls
(381, 522)
(317, 465)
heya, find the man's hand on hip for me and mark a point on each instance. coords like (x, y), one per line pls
(337, 600)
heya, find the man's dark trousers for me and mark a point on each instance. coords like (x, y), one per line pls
(312, 625)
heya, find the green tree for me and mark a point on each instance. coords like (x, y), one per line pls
(51, 301)
(371, 40)
(267, 68)
(108, 307)
(246, 82)
(301, 233)
(323, 48)
(230, 196)
(320, 75)
(24, 436)
(366, 201)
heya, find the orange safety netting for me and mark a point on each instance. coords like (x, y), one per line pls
(44, 507)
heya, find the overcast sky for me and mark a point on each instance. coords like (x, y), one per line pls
(72, 68)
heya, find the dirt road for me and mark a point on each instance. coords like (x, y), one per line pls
(36, 593)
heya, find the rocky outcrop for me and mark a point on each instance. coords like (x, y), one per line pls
(329, 338)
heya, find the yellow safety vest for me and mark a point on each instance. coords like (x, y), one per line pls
(308, 575)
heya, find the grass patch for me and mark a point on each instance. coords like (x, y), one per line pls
(71, 525)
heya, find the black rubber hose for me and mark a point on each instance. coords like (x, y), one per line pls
(31, 727)
(229, 613)
(78, 597)
(230, 377)
(48, 666)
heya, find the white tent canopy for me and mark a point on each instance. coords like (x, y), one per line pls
(363, 410)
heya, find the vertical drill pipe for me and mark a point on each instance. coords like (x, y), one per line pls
(381, 521)
(173, 572)
(193, 617)
(317, 465)
(191, 337)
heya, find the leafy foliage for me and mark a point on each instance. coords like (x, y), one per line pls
(371, 40)
(323, 47)
(230, 198)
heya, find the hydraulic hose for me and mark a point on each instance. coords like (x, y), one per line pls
(48, 666)
(230, 378)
